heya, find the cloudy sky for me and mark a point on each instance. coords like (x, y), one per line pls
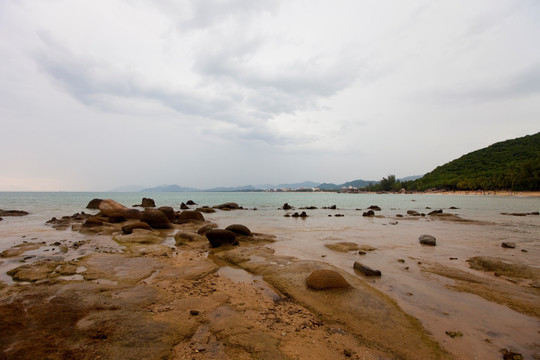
(104, 93)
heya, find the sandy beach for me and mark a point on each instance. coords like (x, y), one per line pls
(100, 292)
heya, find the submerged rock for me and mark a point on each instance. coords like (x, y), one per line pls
(427, 240)
(13, 213)
(369, 213)
(286, 206)
(326, 279)
(228, 206)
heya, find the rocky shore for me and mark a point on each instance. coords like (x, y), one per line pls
(213, 294)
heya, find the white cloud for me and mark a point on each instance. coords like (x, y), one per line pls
(268, 82)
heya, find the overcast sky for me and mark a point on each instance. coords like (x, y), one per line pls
(104, 93)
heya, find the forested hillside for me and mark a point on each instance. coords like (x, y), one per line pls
(511, 164)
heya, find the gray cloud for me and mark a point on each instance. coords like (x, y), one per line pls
(522, 84)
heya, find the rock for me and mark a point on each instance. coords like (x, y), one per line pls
(194, 312)
(190, 202)
(286, 206)
(308, 208)
(205, 209)
(117, 217)
(394, 222)
(339, 215)
(366, 270)
(108, 207)
(168, 211)
(1, 219)
(435, 212)
(146, 202)
(128, 229)
(413, 213)
(13, 213)
(427, 240)
(203, 229)
(534, 213)
(182, 236)
(326, 279)
(510, 355)
(369, 213)
(453, 208)
(333, 207)
(454, 334)
(183, 206)
(239, 229)
(156, 219)
(189, 215)
(228, 206)
(374, 208)
(132, 214)
(94, 204)
(302, 215)
(92, 222)
(218, 237)
(508, 244)
(399, 215)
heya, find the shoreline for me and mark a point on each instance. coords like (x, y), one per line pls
(153, 279)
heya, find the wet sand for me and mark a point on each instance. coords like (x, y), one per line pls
(109, 295)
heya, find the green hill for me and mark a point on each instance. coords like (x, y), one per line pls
(511, 164)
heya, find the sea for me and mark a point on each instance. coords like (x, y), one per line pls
(397, 252)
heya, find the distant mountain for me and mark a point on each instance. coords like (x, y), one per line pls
(511, 164)
(169, 188)
(358, 183)
(328, 186)
(232, 189)
(301, 185)
(127, 188)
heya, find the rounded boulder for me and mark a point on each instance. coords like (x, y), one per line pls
(168, 211)
(326, 279)
(156, 219)
(239, 229)
(189, 215)
(218, 237)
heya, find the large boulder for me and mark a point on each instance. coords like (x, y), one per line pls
(156, 219)
(117, 217)
(108, 207)
(132, 214)
(239, 229)
(326, 279)
(128, 229)
(94, 204)
(218, 237)
(427, 240)
(189, 215)
(205, 228)
(169, 211)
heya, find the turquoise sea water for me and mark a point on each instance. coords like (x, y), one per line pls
(438, 307)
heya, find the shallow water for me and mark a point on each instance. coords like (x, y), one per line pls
(486, 326)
